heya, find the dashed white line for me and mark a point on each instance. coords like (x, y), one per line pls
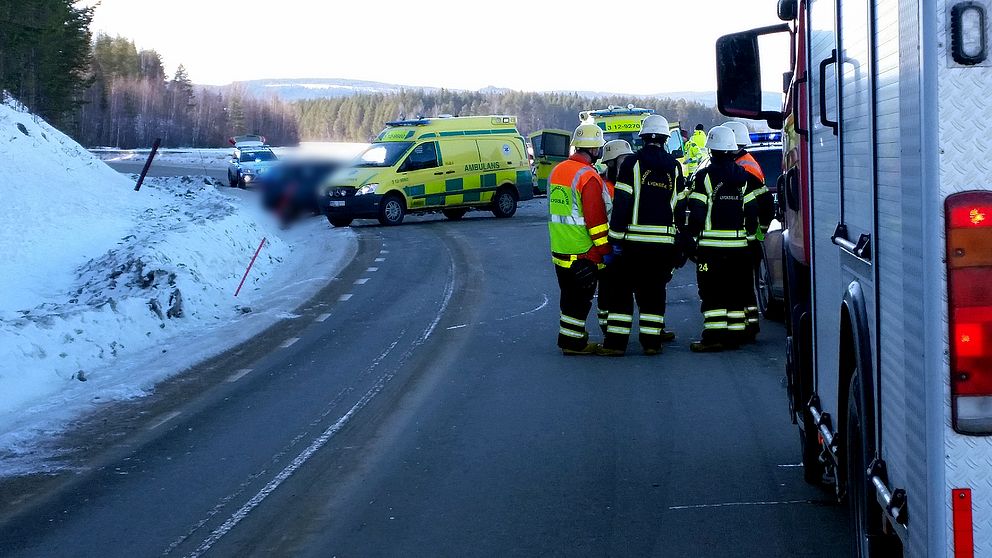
(164, 419)
(238, 375)
(361, 281)
(383, 251)
(322, 317)
(790, 465)
(289, 342)
(344, 297)
(380, 259)
(372, 269)
(458, 326)
(732, 504)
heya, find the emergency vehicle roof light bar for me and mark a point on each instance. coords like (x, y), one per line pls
(620, 111)
(417, 122)
(968, 221)
(765, 137)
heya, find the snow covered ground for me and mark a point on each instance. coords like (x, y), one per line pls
(106, 291)
(215, 158)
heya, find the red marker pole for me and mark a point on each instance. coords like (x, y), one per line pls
(251, 263)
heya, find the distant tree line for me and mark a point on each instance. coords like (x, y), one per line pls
(131, 102)
(44, 54)
(106, 92)
(361, 117)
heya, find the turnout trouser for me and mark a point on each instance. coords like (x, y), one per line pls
(602, 302)
(575, 303)
(642, 273)
(724, 279)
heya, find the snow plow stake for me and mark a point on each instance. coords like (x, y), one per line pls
(251, 263)
(148, 163)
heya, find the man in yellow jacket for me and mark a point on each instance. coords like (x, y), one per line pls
(694, 149)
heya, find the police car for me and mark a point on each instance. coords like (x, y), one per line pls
(766, 148)
(251, 158)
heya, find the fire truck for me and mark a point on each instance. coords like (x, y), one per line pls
(886, 198)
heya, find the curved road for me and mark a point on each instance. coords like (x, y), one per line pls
(418, 407)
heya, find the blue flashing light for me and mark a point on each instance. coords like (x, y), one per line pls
(765, 137)
(417, 122)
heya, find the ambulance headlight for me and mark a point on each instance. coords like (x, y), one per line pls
(367, 189)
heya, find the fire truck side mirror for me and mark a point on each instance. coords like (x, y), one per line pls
(738, 76)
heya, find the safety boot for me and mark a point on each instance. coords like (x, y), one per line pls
(589, 349)
(667, 336)
(704, 346)
(603, 351)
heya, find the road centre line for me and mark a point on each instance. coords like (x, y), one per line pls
(380, 259)
(322, 440)
(735, 504)
(164, 419)
(361, 281)
(344, 297)
(383, 251)
(457, 326)
(372, 269)
(289, 342)
(322, 317)
(238, 375)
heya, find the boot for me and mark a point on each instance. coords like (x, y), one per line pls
(667, 336)
(603, 351)
(589, 349)
(706, 346)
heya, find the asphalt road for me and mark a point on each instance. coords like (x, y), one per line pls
(158, 169)
(419, 407)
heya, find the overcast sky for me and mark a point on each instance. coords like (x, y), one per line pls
(637, 47)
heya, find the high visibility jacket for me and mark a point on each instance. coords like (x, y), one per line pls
(577, 204)
(722, 206)
(694, 151)
(647, 190)
(749, 163)
(765, 203)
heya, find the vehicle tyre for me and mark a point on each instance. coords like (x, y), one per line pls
(769, 307)
(504, 202)
(339, 221)
(454, 214)
(231, 180)
(241, 181)
(867, 536)
(392, 209)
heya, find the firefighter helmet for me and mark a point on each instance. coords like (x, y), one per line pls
(721, 138)
(614, 149)
(655, 124)
(741, 133)
(588, 135)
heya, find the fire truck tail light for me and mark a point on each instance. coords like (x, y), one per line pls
(969, 297)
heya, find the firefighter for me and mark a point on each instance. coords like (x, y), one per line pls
(578, 226)
(694, 149)
(765, 204)
(614, 153)
(642, 240)
(721, 214)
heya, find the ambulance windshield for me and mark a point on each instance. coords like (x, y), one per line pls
(384, 154)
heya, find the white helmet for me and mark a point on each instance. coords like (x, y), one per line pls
(655, 124)
(721, 138)
(741, 132)
(614, 149)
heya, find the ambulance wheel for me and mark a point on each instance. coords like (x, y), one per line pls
(339, 221)
(867, 535)
(504, 203)
(391, 210)
(454, 214)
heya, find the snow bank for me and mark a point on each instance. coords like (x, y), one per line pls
(100, 281)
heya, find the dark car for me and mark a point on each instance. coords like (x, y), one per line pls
(291, 188)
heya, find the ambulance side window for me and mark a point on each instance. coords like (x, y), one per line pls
(424, 156)
(555, 145)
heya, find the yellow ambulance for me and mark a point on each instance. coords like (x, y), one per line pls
(550, 148)
(444, 164)
(625, 123)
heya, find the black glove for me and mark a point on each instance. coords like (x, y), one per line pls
(584, 273)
